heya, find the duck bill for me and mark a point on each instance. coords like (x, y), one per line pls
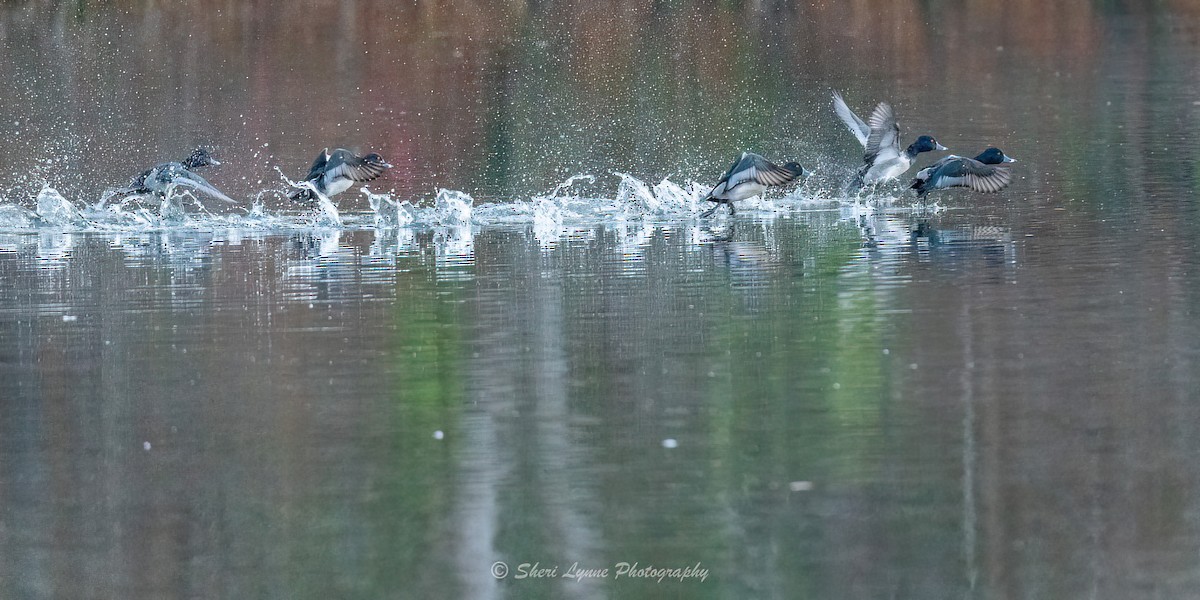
(214, 162)
(941, 147)
(1009, 159)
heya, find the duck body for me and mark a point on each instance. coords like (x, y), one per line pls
(332, 174)
(161, 178)
(983, 173)
(883, 160)
(749, 176)
(886, 164)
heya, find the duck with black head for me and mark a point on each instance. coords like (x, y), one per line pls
(983, 173)
(749, 176)
(883, 160)
(332, 174)
(163, 177)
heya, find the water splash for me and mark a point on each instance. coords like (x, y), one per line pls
(547, 213)
(666, 198)
(674, 195)
(14, 217)
(327, 215)
(453, 208)
(389, 214)
(634, 193)
(568, 204)
(564, 186)
(56, 211)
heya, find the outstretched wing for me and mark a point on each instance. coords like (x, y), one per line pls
(752, 167)
(883, 143)
(196, 182)
(924, 174)
(722, 183)
(347, 164)
(318, 166)
(853, 123)
(970, 173)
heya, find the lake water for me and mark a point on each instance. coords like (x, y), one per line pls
(995, 398)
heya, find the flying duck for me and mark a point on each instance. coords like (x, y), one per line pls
(332, 174)
(882, 158)
(163, 176)
(749, 176)
(981, 173)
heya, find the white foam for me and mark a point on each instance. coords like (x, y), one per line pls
(573, 203)
(16, 217)
(388, 213)
(55, 210)
(452, 207)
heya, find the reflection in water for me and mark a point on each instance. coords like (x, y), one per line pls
(785, 351)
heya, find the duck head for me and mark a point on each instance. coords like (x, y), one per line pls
(376, 159)
(926, 143)
(200, 158)
(796, 168)
(994, 156)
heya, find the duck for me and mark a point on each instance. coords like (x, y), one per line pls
(982, 173)
(883, 160)
(162, 177)
(332, 174)
(748, 177)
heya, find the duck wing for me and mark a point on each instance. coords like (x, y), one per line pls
(344, 163)
(139, 181)
(723, 182)
(884, 142)
(752, 167)
(924, 174)
(853, 123)
(191, 180)
(318, 166)
(970, 173)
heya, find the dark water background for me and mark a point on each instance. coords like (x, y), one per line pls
(999, 400)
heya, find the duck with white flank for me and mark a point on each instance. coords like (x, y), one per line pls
(883, 160)
(981, 174)
(332, 174)
(748, 177)
(164, 176)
